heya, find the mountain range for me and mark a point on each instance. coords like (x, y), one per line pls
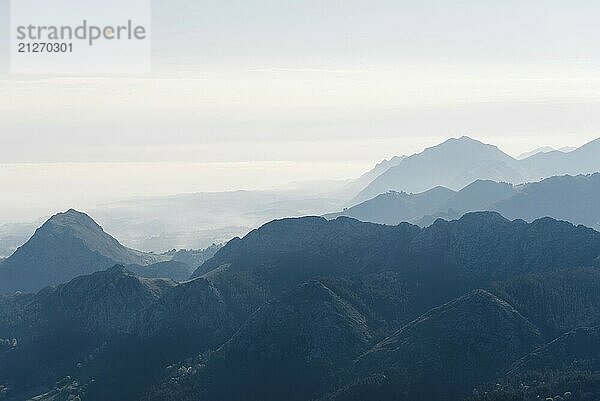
(310, 308)
(457, 162)
(477, 287)
(198, 220)
(545, 149)
(570, 198)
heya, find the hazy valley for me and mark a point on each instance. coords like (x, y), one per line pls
(476, 279)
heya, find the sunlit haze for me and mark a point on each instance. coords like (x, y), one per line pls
(254, 96)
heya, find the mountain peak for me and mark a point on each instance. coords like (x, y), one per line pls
(465, 139)
(71, 213)
(67, 245)
(102, 300)
(468, 144)
(72, 219)
(453, 164)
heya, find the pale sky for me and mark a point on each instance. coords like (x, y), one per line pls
(346, 83)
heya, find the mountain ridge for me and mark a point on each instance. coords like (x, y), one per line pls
(457, 162)
(67, 245)
(571, 198)
(450, 348)
(454, 163)
(285, 311)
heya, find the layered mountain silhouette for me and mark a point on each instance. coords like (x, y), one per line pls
(396, 207)
(198, 220)
(310, 308)
(452, 164)
(353, 187)
(491, 296)
(579, 161)
(542, 149)
(457, 162)
(156, 223)
(571, 198)
(71, 244)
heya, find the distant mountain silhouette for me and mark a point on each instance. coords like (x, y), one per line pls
(395, 207)
(571, 198)
(457, 162)
(67, 245)
(477, 195)
(453, 164)
(567, 149)
(543, 149)
(582, 160)
(355, 186)
(425, 207)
